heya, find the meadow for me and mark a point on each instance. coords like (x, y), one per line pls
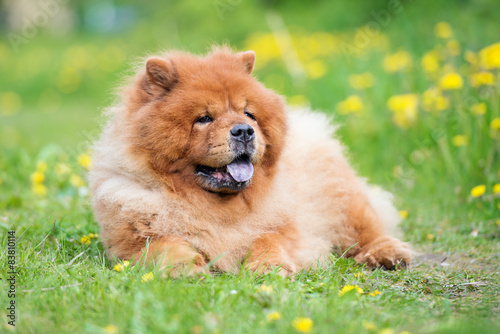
(415, 89)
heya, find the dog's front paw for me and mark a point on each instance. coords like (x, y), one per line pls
(189, 267)
(264, 267)
(385, 252)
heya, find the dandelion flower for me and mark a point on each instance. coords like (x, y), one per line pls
(479, 108)
(489, 57)
(433, 100)
(369, 326)
(315, 69)
(304, 325)
(443, 30)
(478, 191)
(453, 47)
(41, 166)
(358, 275)
(147, 277)
(93, 236)
(39, 189)
(386, 331)
(451, 81)
(122, 266)
(496, 188)
(62, 169)
(298, 100)
(265, 289)
(84, 160)
(111, 329)
(348, 288)
(361, 81)
(352, 104)
(375, 293)
(404, 108)
(37, 177)
(430, 61)
(495, 123)
(272, 316)
(460, 140)
(85, 240)
(429, 236)
(482, 79)
(76, 181)
(397, 61)
(471, 57)
(404, 214)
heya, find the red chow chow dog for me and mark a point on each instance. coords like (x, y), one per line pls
(200, 162)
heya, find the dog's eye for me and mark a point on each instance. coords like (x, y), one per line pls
(204, 119)
(249, 115)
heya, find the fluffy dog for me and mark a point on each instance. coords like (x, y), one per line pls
(200, 162)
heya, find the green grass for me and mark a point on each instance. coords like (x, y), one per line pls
(65, 286)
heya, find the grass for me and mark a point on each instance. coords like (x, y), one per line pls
(64, 285)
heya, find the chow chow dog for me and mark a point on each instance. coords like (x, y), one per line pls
(201, 168)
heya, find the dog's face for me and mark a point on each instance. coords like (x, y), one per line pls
(207, 120)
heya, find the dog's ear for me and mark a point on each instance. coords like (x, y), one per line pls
(248, 59)
(160, 74)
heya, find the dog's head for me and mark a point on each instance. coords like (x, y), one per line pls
(207, 120)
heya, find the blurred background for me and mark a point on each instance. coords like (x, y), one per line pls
(414, 83)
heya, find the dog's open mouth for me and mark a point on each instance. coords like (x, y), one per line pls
(234, 176)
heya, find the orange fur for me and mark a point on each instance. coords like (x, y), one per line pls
(303, 201)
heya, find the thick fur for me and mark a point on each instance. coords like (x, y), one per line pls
(303, 202)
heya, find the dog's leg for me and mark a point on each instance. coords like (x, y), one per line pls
(375, 247)
(274, 250)
(175, 257)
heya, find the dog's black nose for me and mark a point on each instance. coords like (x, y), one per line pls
(243, 133)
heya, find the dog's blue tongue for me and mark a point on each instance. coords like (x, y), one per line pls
(240, 170)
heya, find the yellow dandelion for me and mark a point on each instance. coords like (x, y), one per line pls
(37, 177)
(298, 100)
(273, 316)
(85, 240)
(122, 266)
(62, 169)
(433, 100)
(479, 108)
(358, 275)
(348, 288)
(398, 61)
(496, 188)
(429, 236)
(460, 140)
(495, 123)
(111, 329)
(147, 277)
(443, 30)
(361, 81)
(430, 61)
(315, 69)
(369, 326)
(84, 160)
(302, 324)
(404, 214)
(352, 104)
(451, 81)
(404, 108)
(93, 236)
(39, 189)
(386, 331)
(453, 47)
(482, 79)
(489, 57)
(375, 293)
(478, 191)
(76, 181)
(471, 57)
(41, 166)
(265, 289)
